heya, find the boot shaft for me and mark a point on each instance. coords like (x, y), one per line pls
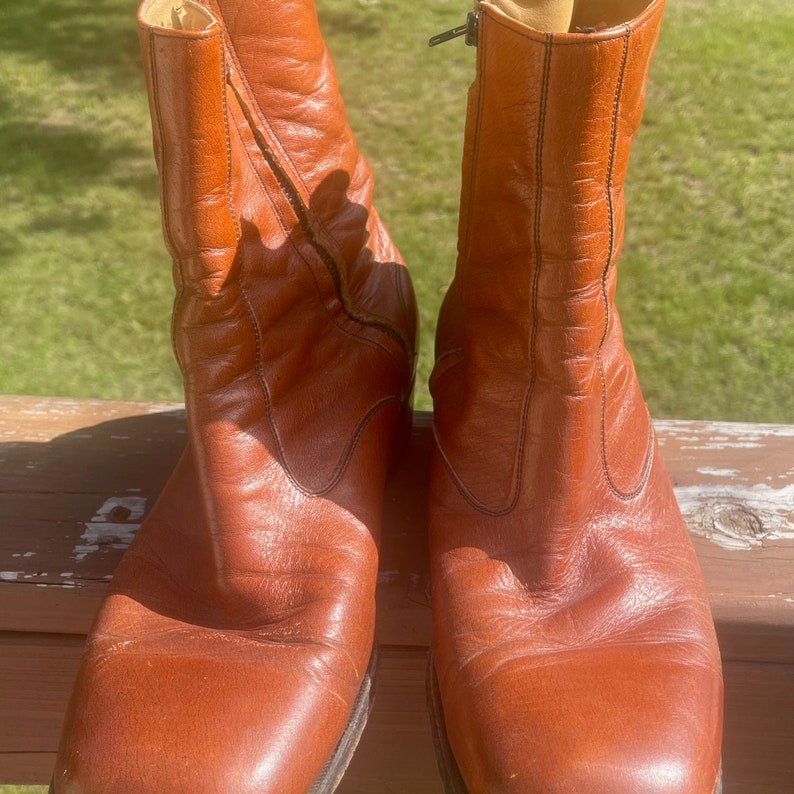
(528, 336)
(294, 319)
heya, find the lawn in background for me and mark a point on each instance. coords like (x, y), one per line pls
(24, 789)
(706, 287)
(707, 273)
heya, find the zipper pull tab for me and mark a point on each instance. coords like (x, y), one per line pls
(469, 30)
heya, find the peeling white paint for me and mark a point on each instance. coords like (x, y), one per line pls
(10, 576)
(739, 517)
(683, 430)
(715, 444)
(718, 472)
(100, 531)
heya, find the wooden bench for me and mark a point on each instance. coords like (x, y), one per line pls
(77, 478)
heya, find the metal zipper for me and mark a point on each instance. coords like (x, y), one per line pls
(294, 199)
(469, 30)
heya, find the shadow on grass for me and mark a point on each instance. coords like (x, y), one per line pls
(59, 139)
(58, 156)
(339, 23)
(95, 42)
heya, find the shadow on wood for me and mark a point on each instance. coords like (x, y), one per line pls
(77, 478)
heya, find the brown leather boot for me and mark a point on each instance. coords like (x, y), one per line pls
(573, 645)
(234, 653)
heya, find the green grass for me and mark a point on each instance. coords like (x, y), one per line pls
(707, 293)
(707, 285)
(707, 273)
(24, 789)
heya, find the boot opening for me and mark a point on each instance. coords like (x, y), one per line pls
(591, 15)
(552, 16)
(176, 15)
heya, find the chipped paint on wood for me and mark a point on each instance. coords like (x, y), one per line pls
(718, 472)
(729, 433)
(113, 526)
(739, 517)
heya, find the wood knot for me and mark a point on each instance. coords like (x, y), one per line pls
(737, 521)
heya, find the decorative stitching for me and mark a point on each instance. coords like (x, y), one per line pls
(374, 409)
(519, 463)
(163, 205)
(621, 494)
(233, 53)
(286, 230)
(174, 249)
(301, 213)
(294, 197)
(577, 39)
(239, 261)
(228, 141)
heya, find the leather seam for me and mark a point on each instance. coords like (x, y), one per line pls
(228, 141)
(518, 466)
(373, 411)
(240, 273)
(583, 38)
(363, 422)
(329, 314)
(381, 327)
(240, 280)
(481, 52)
(623, 495)
(292, 195)
(180, 290)
(242, 76)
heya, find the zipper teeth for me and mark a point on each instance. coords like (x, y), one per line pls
(301, 213)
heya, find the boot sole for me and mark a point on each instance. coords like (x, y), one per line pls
(334, 769)
(336, 766)
(447, 765)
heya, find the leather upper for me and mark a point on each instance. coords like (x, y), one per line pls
(573, 642)
(239, 626)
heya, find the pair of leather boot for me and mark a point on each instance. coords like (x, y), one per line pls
(573, 648)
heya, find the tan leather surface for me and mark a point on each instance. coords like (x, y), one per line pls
(553, 15)
(573, 641)
(240, 623)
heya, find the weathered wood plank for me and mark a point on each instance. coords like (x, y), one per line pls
(77, 478)
(26, 768)
(734, 483)
(757, 745)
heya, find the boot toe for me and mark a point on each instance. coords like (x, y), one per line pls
(591, 722)
(220, 718)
